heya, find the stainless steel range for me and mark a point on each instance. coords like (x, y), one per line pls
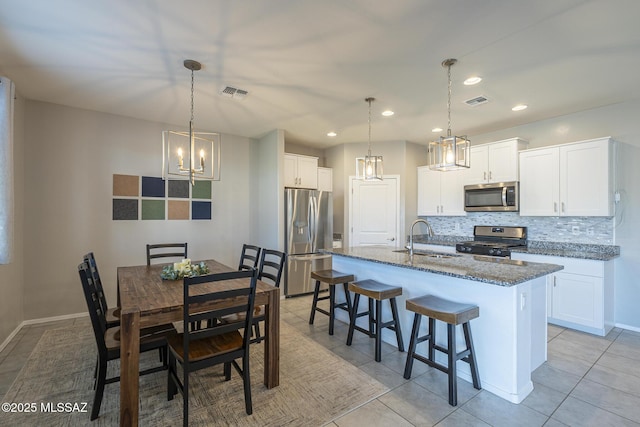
(494, 241)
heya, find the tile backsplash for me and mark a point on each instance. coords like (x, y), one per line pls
(588, 230)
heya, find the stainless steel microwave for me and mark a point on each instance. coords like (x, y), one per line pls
(497, 197)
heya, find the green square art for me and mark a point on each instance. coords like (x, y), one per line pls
(153, 209)
(201, 190)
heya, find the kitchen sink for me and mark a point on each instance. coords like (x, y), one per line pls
(431, 254)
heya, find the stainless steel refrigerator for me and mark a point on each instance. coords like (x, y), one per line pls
(308, 229)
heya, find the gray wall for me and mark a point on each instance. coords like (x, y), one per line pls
(65, 159)
(268, 182)
(11, 275)
(72, 155)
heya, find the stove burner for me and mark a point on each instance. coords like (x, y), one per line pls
(494, 241)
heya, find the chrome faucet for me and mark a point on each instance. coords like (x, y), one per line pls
(429, 233)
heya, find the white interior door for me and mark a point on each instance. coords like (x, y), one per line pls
(375, 212)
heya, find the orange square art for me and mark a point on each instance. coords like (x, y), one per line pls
(178, 209)
(126, 185)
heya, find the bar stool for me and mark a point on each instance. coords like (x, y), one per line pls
(332, 278)
(379, 292)
(452, 313)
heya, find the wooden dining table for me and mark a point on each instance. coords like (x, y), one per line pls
(147, 300)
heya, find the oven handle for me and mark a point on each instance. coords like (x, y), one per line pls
(504, 196)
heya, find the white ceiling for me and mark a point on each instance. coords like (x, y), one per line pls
(309, 64)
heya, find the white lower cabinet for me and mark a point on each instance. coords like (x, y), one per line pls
(580, 296)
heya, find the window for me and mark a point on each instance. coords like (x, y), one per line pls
(6, 169)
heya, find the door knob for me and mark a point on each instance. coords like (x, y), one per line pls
(392, 239)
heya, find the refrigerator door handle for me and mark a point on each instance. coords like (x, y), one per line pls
(308, 257)
(313, 223)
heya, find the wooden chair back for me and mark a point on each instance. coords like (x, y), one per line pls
(244, 298)
(271, 266)
(250, 257)
(166, 250)
(95, 275)
(96, 310)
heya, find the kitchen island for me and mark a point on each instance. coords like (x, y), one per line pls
(510, 336)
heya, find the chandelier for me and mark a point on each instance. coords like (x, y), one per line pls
(450, 152)
(191, 154)
(369, 168)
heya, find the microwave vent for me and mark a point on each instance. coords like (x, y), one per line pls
(478, 100)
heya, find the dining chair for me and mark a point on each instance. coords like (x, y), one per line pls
(112, 315)
(166, 250)
(218, 343)
(108, 339)
(271, 267)
(249, 257)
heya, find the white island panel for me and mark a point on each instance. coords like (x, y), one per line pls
(510, 336)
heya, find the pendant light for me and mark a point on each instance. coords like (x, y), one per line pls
(369, 168)
(201, 149)
(450, 152)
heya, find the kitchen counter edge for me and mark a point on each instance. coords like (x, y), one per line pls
(538, 247)
(496, 271)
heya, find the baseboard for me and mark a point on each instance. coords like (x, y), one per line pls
(36, 322)
(10, 337)
(627, 327)
(53, 319)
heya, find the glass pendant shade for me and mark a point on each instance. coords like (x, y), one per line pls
(449, 153)
(189, 153)
(192, 155)
(369, 168)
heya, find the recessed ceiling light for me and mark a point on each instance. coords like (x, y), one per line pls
(332, 134)
(473, 80)
(387, 113)
(519, 107)
(436, 130)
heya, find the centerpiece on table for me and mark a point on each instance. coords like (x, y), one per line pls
(182, 269)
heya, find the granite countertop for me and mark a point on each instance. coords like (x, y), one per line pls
(535, 247)
(496, 271)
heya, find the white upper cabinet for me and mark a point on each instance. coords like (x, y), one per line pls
(568, 180)
(440, 193)
(325, 179)
(300, 171)
(494, 162)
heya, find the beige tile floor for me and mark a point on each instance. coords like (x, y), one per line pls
(586, 381)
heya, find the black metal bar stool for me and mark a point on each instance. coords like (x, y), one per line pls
(379, 292)
(452, 313)
(332, 278)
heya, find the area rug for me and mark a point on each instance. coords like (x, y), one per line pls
(316, 387)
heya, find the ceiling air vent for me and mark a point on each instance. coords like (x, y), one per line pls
(232, 92)
(478, 100)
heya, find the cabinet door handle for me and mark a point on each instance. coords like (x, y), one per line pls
(441, 208)
(554, 281)
(562, 204)
(555, 206)
(484, 175)
(490, 176)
